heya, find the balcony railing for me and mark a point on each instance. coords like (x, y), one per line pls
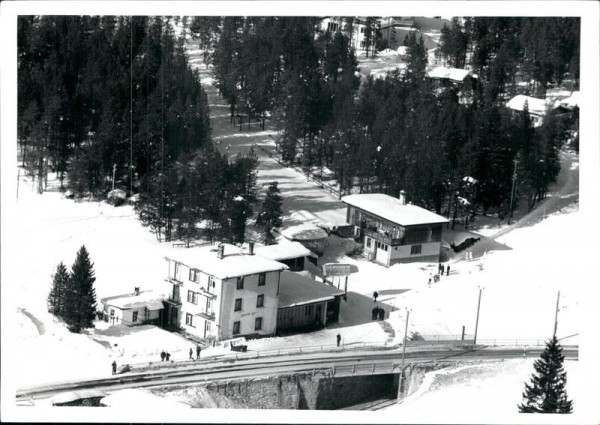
(381, 237)
(210, 315)
(173, 280)
(204, 292)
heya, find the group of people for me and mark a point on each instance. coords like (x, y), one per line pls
(198, 350)
(377, 313)
(440, 273)
(164, 356)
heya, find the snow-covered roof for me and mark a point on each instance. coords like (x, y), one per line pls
(304, 232)
(284, 250)
(454, 74)
(295, 290)
(148, 299)
(572, 101)
(535, 106)
(392, 209)
(235, 262)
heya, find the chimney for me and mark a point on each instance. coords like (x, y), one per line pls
(136, 290)
(402, 197)
(221, 252)
(251, 248)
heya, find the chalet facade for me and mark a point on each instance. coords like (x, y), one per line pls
(537, 108)
(393, 231)
(223, 292)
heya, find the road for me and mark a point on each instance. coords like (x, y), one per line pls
(342, 364)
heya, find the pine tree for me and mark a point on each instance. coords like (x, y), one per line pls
(80, 299)
(270, 214)
(547, 392)
(56, 298)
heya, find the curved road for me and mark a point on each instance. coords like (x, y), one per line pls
(343, 364)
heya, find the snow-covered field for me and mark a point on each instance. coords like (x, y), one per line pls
(471, 392)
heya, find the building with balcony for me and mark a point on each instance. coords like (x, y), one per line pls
(393, 231)
(220, 292)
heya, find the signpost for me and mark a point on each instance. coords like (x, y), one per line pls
(335, 269)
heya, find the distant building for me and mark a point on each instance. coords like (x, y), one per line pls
(455, 75)
(306, 304)
(223, 292)
(137, 308)
(393, 231)
(311, 236)
(356, 36)
(292, 254)
(538, 108)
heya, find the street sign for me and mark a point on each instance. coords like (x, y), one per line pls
(335, 269)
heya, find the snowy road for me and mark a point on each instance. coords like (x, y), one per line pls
(302, 200)
(343, 364)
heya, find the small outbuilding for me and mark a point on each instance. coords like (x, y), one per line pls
(306, 304)
(310, 235)
(292, 254)
(137, 308)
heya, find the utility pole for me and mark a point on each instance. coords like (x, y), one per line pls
(556, 314)
(512, 191)
(477, 319)
(403, 352)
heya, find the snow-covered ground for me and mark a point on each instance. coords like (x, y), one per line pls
(471, 392)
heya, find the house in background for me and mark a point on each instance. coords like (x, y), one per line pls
(305, 304)
(137, 308)
(310, 235)
(292, 254)
(220, 292)
(393, 231)
(356, 35)
(538, 108)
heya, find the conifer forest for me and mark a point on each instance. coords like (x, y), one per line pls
(111, 102)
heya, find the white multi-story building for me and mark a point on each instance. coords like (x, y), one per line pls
(357, 35)
(220, 292)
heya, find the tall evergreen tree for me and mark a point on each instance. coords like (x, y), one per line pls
(60, 283)
(270, 213)
(80, 299)
(547, 391)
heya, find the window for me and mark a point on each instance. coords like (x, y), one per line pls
(194, 275)
(258, 324)
(415, 249)
(207, 326)
(112, 311)
(236, 328)
(240, 282)
(192, 297)
(261, 279)
(238, 305)
(260, 300)
(189, 320)
(308, 310)
(134, 318)
(368, 242)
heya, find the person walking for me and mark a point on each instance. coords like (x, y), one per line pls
(339, 339)
(191, 354)
(198, 349)
(381, 314)
(448, 270)
(375, 295)
(167, 356)
(374, 313)
(114, 367)
(162, 355)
